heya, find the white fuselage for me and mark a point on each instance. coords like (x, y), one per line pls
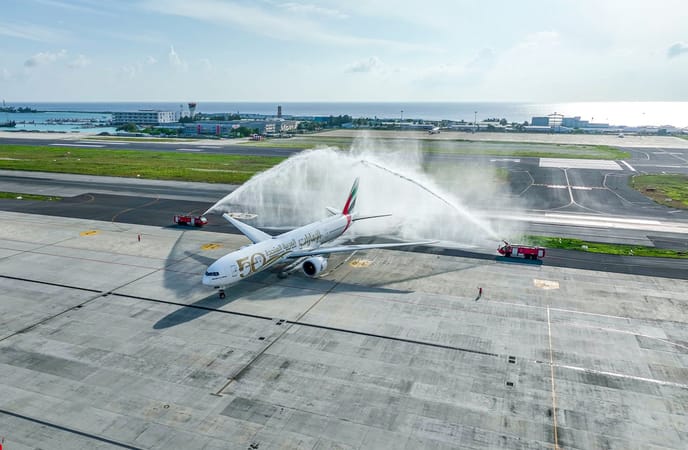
(252, 259)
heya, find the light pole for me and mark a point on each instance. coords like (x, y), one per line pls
(402, 119)
(475, 121)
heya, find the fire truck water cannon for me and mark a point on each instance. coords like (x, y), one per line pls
(521, 251)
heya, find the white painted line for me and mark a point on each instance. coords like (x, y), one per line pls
(506, 160)
(93, 141)
(621, 375)
(662, 167)
(563, 163)
(77, 145)
(603, 218)
(556, 186)
(581, 188)
(209, 146)
(628, 165)
(189, 150)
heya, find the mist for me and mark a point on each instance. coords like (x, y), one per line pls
(429, 198)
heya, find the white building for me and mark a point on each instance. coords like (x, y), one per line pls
(144, 117)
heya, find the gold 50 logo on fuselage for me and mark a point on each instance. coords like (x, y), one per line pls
(249, 265)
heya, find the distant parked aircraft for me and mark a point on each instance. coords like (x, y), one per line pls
(435, 130)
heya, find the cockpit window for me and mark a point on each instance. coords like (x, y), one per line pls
(212, 274)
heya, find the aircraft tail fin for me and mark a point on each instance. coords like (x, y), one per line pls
(254, 234)
(351, 201)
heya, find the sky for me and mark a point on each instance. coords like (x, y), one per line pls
(375, 51)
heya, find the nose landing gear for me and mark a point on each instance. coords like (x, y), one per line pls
(222, 293)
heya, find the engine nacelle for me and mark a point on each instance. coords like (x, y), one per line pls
(312, 267)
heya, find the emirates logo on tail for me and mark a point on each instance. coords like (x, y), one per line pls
(351, 201)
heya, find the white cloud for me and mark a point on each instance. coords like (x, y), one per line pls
(151, 60)
(176, 61)
(30, 32)
(129, 71)
(267, 22)
(5, 75)
(44, 58)
(372, 64)
(73, 7)
(79, 62)
(677, 49)
(307, 8)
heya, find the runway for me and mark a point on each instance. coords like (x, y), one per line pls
(154, 203)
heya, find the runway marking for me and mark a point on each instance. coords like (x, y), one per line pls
(663, 167)
(628, 165)
(66, 429)
(89, 233)
(209, 146)
(545, 284)
(359, 263)
(189, 150)
(621, 375)
(563, 163)
(211, 246)
(583, 188)
(93, 141)
(555, 186)
(551, 370)
(506, 160)
(78, 145)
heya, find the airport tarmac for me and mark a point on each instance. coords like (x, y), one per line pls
(112, 342)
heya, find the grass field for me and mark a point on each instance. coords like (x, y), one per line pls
(458, 147)
(669, 190)
(596, 247)
(19, 196)
(140, 139)
(135, 164)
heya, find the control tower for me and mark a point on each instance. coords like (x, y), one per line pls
(192, 109)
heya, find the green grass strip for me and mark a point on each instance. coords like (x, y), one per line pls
(597, 247)
(231, 169)
(19, 196)
(457, 147)
(668, 189)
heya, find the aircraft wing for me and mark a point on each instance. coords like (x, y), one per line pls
(254, 234)
(352, 248)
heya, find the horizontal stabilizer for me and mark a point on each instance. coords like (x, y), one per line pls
(353, 248)
(332, 211)
(355, 218)
(254, 234)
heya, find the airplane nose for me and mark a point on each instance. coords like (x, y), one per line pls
(210, 275)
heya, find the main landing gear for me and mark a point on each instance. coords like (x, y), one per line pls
(222, 293)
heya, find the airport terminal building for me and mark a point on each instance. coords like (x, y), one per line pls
(144, 117)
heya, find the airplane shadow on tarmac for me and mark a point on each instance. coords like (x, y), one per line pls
(262, 286)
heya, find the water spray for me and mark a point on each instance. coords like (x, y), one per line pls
(451, 204)
(296, 192)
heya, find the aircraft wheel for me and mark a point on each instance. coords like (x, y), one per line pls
(222, 294)
(282, 275)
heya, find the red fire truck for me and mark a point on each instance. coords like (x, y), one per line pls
(518, 250)
(196, 221)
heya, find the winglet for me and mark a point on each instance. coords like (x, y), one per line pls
(254, 234)
(351, 201)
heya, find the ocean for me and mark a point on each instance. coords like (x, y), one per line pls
(614, 113)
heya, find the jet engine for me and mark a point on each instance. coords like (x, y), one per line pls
(312, 267)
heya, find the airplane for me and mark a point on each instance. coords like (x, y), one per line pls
(434, 130)
(301, 246)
